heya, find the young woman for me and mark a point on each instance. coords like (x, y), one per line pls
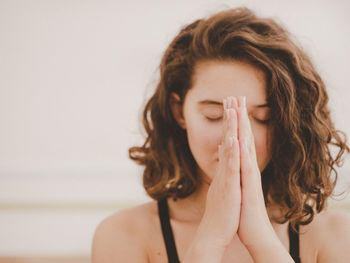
(237, 156)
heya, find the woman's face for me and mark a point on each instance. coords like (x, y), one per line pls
(203, 110)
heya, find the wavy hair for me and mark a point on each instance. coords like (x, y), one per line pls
(301, 174)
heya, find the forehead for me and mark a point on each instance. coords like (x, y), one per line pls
(219, 79)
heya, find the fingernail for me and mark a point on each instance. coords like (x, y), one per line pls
(225, 104)
(228, 102)
(235, 103)
(227, 114)
(244, 101)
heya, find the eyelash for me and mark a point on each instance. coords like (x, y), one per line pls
(264, 122)
(213, 119)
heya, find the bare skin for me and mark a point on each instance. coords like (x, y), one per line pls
(123, 237)
(225, 220)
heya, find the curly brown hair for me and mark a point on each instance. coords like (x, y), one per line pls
(301, 174)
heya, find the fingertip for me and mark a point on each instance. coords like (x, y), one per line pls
(235, 102)
(241, 101)
(228, 102)
(244, 103)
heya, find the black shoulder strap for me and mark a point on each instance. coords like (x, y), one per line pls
(294, 243)
(168, 236)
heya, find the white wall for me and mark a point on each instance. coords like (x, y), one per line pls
(73, 78)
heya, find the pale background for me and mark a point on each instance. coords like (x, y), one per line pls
(73, 78)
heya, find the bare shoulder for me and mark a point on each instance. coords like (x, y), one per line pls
(122, 236)
(330, 231)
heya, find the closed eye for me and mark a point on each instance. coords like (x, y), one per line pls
(213, 119)
(265, 122)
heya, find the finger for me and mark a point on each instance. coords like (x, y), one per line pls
(232, 102)
(228, 134)
(234, 123)
(231, 126)
(250, 174)
(235, 114)
(224, 124)
(245, 164)
(234, 161)
(243, 118)
(229, 102)
(224, 131)
(244, 161)
(245, 130)
(235, 103)
(229, 161)
(230, 118)
(232, 164)
(225, 141)
(232, 144)
(226, 157)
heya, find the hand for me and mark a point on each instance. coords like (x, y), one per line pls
(255, 228)
(222, 213)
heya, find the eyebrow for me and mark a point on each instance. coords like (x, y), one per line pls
(214, 102)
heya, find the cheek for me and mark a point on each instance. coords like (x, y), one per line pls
(203, 139)
(205, 136)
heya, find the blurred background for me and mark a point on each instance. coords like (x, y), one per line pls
(74, 76)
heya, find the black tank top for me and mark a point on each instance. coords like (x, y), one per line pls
(169, 240)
